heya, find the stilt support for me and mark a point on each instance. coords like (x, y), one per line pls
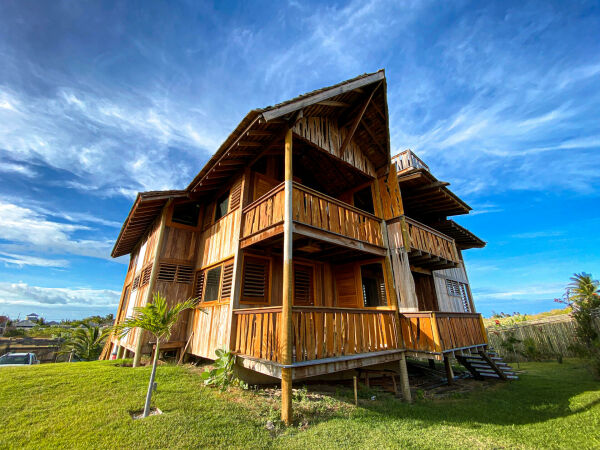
(449, 371)
(404, 382)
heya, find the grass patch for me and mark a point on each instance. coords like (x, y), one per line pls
(89, 405)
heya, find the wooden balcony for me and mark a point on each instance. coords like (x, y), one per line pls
(315, 215)
(428, 247)
(318, 333)
(407, 160)
(436, 333)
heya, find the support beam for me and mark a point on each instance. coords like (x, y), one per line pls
(286, 308)
(120, 351)
(153, 275)
(404, 381)
(449, 371)
(357, 120)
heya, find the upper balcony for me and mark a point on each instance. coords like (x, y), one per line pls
(426, 247)
(408, 160)
(316, 216)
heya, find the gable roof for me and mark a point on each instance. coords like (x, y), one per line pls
(264, 128)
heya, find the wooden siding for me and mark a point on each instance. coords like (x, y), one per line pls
(447, 302)
(211, 330)
(217, 242)
(438, 332)
(174, 293)
(325, 134)
(390, 197)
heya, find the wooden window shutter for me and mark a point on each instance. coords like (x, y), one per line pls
(227, 280)
(303, 285)
(465, 297)
(184, 274)
(199, 284)
(146, 275)
(345, 284)
(256, 280)
(136, 283)
(235, 195)
(166, 272)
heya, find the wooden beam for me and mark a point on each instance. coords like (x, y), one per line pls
(288, 284)
(326, 94)
(357, 120)
(333, 103)
(366, 127)
(249, 144)
(259, 133)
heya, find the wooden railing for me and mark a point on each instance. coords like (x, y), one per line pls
(263, 213)
(408, 160)
(318, 210)
(439, 332)
(257, 332)
(328, 332)
(314, 209)
(426, 239)
(317, 332)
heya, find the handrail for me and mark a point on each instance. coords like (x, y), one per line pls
(263, 197)
(261, 309)
(335, 200)
(412, 160)
(327, 309)
(427, 228)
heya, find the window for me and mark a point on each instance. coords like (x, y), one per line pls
(186, 214)
(364, 200)
(211, 288)
(453, 288)
(457, 289)
(373, 285)
(303, 285)
(256, 280)
(222, 206)
(214, 283)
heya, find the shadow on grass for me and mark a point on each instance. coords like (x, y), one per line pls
(544, 392)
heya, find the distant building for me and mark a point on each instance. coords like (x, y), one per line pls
(25, 324)
(3, 322)
(33, 317)
(52, 323)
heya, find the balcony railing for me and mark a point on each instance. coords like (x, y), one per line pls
(425, 239)
(438, 332)
(408, 160)
(317, 332)
(312, 208)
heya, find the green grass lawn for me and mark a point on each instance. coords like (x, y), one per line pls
(88, 405)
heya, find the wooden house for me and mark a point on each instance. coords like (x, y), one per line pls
(311, 250)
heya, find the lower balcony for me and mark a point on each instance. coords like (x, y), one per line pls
(428, 333)
(343, 337)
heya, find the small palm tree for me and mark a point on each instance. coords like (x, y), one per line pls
(85, 342)
(158, 319)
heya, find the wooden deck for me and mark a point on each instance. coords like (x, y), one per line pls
(407, 160)
(436, 333)
(315, 215)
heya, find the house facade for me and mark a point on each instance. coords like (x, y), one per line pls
(311, 250)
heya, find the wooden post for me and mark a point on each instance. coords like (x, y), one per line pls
(355, 390)
(286, 307)
(404, 381)
(449, 371)
(120, 349)
(153, 274)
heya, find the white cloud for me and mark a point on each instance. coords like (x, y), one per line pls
(17, 168)
(23, 293)
(27, 260)
(25, 226)
(538, 234)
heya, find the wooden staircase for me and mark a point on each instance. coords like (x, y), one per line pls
(487, 364)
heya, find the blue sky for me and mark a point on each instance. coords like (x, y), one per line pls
(100, 100)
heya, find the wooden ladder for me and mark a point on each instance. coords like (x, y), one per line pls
(487, 364)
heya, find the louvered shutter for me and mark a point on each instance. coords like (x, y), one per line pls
(227, 280)
(199, 285)
(256, 280)
(303, 285)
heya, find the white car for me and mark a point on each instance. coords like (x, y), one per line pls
(18, 359)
